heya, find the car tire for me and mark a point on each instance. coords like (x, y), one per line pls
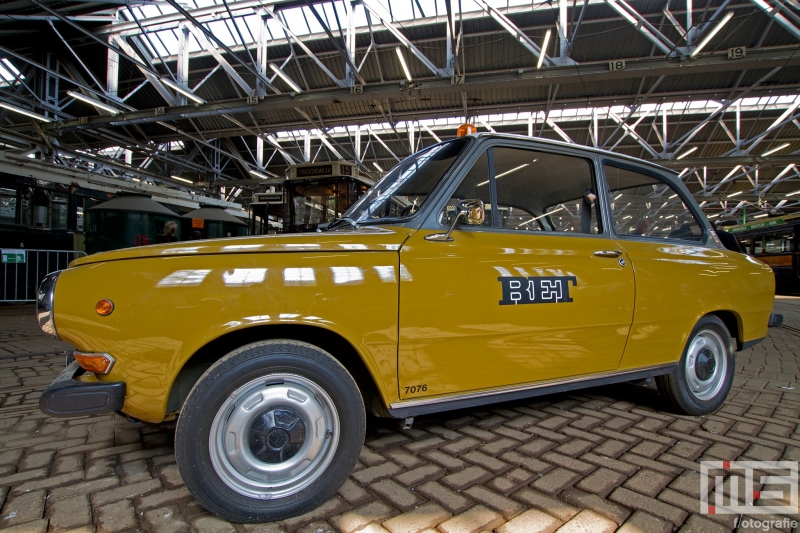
(701, 381)
(270, 431)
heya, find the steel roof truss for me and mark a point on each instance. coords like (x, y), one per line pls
(783, 176)
(520, 36)
(693, 32)
(774, 13)
(674, 21)
(777, 124)
(380, 141)
(442, 73)
(165, 93)
(641, 24)
(195, 24)
(204, 42)
(728, 132)
(731, 176)
(306, 49)
(631, 130)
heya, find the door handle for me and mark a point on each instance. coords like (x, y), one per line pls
(607, 253)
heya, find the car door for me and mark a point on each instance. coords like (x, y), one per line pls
(678, 277)
(539, 292)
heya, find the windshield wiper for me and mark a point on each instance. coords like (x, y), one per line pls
(338, 220)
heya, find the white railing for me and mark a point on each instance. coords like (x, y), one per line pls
(21, 279)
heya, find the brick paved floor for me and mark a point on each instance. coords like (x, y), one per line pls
(592, 461)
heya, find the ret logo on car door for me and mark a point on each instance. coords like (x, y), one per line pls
(536, 290)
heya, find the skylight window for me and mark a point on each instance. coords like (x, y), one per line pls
(673, 110)
(7, 73)
(164, 42)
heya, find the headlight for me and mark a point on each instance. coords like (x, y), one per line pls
(44, 303)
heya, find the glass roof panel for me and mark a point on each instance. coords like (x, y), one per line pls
(302, 21)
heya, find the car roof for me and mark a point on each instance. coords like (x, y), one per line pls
(574, 146)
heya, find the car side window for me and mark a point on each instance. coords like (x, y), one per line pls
(643, 206)
(475, 185)
(540, 191)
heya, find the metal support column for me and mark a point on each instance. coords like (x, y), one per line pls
(689, 33)
(50, 93)
(216, 159)
(563, 30)
(262, 56)
(183, 61)
(738, 124)
(112, 71)
(451, 32)
(350, 43)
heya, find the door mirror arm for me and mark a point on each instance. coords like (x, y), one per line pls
(474, 212)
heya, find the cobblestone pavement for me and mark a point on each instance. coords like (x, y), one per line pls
(592, 461)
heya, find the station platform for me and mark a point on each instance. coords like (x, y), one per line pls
(598, 460)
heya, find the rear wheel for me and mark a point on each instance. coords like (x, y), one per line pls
(272, 430)
(703, 377)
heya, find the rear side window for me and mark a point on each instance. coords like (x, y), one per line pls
(643, 206)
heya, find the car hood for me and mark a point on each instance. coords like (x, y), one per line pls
(370, 238)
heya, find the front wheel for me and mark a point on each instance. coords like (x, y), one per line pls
(703, 377)
(270, 431)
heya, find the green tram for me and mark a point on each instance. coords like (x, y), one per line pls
(310, 197)
(775, 242)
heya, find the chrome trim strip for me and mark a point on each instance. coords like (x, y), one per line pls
(102, 354)
(44, 303)
(521, 388)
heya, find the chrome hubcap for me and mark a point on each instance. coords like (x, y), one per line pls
(274, 436)
(706, 364)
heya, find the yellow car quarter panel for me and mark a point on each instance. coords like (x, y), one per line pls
(677, 283)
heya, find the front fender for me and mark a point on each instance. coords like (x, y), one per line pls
(167, 308)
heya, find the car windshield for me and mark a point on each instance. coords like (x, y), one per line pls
(406, 187)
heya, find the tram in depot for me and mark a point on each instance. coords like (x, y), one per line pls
(774, 241)
(310, 197)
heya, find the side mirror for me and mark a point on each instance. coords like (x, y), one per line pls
(473, 212)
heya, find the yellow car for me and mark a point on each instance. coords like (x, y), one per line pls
(483, 269)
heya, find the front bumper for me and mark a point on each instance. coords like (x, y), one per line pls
(67, 397)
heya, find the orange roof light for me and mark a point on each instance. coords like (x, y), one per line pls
(98, 363)
(467, 129)
(104, 307)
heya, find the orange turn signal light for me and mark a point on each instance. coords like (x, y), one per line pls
(98, 363)
(466, 129)
(104, 307)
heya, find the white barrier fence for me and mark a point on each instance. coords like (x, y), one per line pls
(24, 269)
